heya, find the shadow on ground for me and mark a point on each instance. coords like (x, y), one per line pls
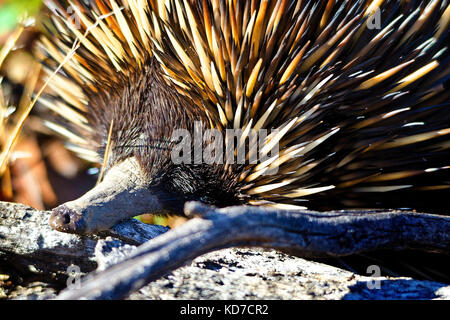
(399, 289)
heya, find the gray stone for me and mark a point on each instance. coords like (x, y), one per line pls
(236, 273)
(268, 274)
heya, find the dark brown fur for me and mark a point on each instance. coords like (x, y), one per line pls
(144, 112)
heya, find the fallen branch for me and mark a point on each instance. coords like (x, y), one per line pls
(306, 234)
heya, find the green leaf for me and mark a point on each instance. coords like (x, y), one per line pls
(12, 10)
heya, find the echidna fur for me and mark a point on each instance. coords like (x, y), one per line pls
(366, 110)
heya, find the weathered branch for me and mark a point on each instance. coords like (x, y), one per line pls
(307, 234)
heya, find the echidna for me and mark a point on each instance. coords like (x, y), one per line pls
(354, 94)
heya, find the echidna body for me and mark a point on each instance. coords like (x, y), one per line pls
(360, 114)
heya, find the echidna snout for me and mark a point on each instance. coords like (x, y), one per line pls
(122, 194)
(65, 219)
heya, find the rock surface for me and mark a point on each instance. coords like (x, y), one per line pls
(226, 274)
(233, 274)
(268, 274)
